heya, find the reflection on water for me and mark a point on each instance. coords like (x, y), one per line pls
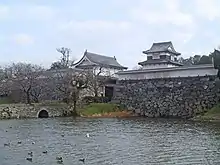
(137, 141)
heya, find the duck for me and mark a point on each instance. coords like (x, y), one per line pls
(59, 160)
(44, 152)
(6, 144)
(87, 135)
(82, 160)
(30, 153)
(62, 135)
(19, 142)
(29, 159)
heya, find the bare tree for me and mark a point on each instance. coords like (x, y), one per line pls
(23, 77)
(65, 61)
(98, 77)
(68, 84)
(39, 89)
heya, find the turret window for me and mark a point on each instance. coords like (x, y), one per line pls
(149, 57)
(163, 56)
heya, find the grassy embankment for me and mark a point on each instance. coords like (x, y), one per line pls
(5, 100)
(211, 115)
(104, 110)
(91, 110)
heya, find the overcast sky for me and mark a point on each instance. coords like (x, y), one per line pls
(31, 30)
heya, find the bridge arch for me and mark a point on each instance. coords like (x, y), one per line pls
(43, 114)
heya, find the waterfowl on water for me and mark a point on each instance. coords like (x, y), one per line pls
(87, 135)
(19, 142)
(29, 159)
(44, 152)
(7, 144)
(30, 153)
(82, 160)
(59, 159)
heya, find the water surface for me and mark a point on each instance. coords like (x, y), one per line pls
(137, 141)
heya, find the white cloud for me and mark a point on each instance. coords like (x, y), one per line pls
(23, 39)
(4, 10)
(28, 12)
(161, 12)
(96, 25)
(41, 12)
(208, 9)
(182, 37)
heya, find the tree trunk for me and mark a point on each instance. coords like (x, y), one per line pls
(36, 100)
(74, 113)
(96, 93)
(75, 98)
(28, 97)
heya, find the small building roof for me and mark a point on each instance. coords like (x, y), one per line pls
(101, 60)
(162, 47)
(160, 61)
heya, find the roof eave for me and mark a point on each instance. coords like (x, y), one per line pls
(149, 51)
(141, 63)
(112, 66)
(168, 62)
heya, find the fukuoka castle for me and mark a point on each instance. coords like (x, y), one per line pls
(161, 62)
(161, 55)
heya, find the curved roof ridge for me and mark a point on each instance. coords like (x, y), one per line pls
(162, 47)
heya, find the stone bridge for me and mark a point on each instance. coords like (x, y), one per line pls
(10, 111)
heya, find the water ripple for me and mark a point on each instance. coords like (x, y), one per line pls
(137, 141)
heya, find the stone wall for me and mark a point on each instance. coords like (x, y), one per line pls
(10, 111)
(169, 97)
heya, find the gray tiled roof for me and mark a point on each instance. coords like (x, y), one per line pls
(162, 47)
(103, 60)
(160, 61)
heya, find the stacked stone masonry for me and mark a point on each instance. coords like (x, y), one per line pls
(11, 111)
(169, 97)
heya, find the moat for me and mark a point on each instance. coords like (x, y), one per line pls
(128, 141)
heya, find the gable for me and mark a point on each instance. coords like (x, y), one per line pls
(92, 59)
(170, 49)
(85, 62)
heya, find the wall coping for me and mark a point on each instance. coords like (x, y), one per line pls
(207, 66)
